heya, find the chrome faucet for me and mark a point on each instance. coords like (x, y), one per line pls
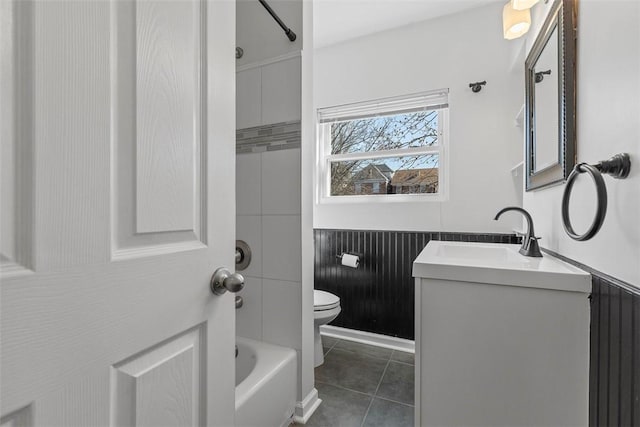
(529, 241)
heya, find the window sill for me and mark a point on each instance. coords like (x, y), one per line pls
(383, 199)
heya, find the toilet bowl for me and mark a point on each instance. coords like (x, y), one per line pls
(326, 307)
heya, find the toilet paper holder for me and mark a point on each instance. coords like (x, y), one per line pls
(349, 259)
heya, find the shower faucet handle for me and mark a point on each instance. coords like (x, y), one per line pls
(223, 280)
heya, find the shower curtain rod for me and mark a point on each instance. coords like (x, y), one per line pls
(290, 34)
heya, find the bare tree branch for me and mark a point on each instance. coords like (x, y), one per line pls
(378, 134)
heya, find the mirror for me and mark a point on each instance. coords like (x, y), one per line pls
(550, 103)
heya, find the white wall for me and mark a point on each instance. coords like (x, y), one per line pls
(260, 36)
(307, 363)
(608, 122)
(448, 52)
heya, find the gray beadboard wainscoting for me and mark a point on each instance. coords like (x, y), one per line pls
(614, 368)
(614, 378)
(378, 296)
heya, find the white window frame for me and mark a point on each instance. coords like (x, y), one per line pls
(433, 100)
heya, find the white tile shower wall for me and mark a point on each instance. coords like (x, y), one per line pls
(268, 93)
(279, 98)
(281, 183)
(249, 316)
(249, 99)
(248, 190)
(281, 312)
(281, 247)
(268, 219)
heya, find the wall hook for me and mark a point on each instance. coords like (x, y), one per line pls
(239, 52)
(477, 86)
(540, 75)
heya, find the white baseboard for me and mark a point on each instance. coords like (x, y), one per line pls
(306, 407)
(379, 340)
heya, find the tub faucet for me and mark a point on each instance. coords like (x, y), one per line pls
(529, 241)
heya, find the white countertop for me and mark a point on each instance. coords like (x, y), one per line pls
(499, 264)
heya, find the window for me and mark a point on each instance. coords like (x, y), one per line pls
(389, 149)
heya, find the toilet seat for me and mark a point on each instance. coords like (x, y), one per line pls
(323, 300)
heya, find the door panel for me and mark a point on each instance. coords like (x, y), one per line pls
(111, 320)
(160, 138)
(167, 121)
(71, 110)
(161, 386)
(16, 138)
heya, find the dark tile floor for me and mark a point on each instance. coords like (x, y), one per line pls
(363, 385)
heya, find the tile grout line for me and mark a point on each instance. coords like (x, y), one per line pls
(395, 401)
(399, 361)
(376, 392)
(382, 377)
(346, 389)
(403, 363)
(366, 394)
(369, 356)
(331, 348)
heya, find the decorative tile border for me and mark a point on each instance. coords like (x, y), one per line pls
(277, 136)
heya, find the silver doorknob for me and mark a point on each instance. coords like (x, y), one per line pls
(223, 280)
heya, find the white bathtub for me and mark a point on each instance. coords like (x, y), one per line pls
(265, 384)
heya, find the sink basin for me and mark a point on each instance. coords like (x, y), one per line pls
(480, 253)
(497, 263)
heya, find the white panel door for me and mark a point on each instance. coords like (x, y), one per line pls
(117, 204)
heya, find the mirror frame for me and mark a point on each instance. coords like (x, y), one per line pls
(563, 14)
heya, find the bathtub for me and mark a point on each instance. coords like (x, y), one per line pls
(265, 384)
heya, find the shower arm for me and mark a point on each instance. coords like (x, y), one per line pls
(290, 34)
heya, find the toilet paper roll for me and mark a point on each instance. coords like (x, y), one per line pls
(349, 260)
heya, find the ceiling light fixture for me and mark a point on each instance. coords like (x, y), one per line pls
(515, 23)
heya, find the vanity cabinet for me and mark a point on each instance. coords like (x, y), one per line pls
(501, 339)
(268, 93)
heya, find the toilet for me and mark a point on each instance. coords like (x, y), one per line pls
(326, 307)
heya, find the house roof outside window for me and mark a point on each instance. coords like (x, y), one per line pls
(415, 177)
(374, 173)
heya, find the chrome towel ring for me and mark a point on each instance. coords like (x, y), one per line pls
(618, 166)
